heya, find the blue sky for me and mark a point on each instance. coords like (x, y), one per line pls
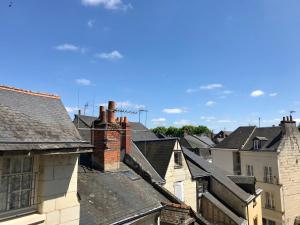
(215, 63)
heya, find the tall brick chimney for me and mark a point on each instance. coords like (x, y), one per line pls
(111, 137)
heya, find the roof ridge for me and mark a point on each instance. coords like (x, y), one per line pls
(28, 92)
(243, 145)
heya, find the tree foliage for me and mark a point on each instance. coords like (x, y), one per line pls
(178, 132)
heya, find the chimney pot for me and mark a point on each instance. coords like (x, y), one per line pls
(287, 119)
(102, 113)
(283, 119)
(111, 111)
(125, 119)
(291, 118)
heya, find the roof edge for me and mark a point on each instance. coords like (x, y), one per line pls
(23, 91)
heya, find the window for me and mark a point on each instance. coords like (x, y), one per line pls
(268, 222)
(268, 178)
(16, 183)
(249, 170)
(178, 190)
(256, 144)
(269, 200)
(255, 221)
(202, 186)
(178, 159)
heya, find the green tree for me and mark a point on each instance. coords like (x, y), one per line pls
(178, 132)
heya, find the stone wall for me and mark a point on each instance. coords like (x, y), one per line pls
(289, 174)
(57, 189)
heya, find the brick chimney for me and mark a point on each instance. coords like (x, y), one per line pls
(289, 125)
(111, 136)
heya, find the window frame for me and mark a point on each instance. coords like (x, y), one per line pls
(249, 170)
(268, 174)
(179, 164)
(8, 211)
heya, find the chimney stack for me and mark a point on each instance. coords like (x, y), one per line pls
(288, 125)
(110, 137)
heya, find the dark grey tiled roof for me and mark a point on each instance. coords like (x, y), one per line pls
(158, 153)
(196, 171)
(242, 138)
(137, 155)
(139, 131)
(35, 122)
(223, 208)
(195, 141)
(107, 198)
(237, 138)
(270, 137)
(217, 173)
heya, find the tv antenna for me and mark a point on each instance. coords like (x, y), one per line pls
(86, 105)
(140, 111)
(291, 112)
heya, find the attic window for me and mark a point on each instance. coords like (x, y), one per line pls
(178, 159)
(256, 144)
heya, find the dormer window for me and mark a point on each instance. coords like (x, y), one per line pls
(256, 144)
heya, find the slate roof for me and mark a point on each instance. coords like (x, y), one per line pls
(107, 198)
(158, 153)
(242, 138)
(35, 121)
(139, 131)
(270, 137)
(216, 173)
(237, 138)
(137, 155)
(223, 208)
(195, 141)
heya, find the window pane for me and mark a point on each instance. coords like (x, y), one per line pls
(14, 200)
(27, 164)
(15, 183)
(25, 199)
(26, 181)
(16, 164)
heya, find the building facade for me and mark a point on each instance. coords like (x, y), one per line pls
(39, 148)
(271, 155)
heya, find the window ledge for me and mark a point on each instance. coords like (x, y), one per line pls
(26, 220)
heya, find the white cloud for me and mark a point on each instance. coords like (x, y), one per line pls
(91, 23)
(70, 47)
(297, 120)
(72, 109)
(282, 111)
(114, 55)
(182, 122)
(210, 103)
(226, 121)
(257, 93)
(108, 4)
(158, 121)
(126, 104)
(174, 110)
(67, 47)
(191, 90)
(211, 86)
(207, 118)
(227, 92)
(273, 94)
(83, 82)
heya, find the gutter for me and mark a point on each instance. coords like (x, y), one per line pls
(137, 216)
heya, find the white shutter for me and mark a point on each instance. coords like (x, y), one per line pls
(178, 190)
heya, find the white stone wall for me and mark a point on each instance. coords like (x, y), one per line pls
(289, 176)
(181, 174)
(57, 189)
(223, 158)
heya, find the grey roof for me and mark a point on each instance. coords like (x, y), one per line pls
(138, 156)
(158, 153)
(196, 171)
(242, 138)
(139, 131)
(107, 198)
(32, 121)
(237, 138)
(195, 141)
(217, 173)
(270, 137)
(223, 208)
